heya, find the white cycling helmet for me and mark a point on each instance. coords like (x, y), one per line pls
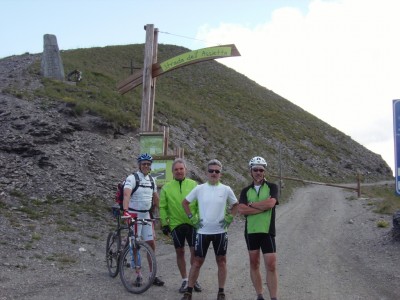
(257, 161)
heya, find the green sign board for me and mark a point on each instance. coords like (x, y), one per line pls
(152, 144)
(161, 169)
(223, 51)
(179, 61)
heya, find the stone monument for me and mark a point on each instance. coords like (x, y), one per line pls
(51, 66)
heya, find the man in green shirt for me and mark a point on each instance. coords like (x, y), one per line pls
(257, 203)
(174, 220)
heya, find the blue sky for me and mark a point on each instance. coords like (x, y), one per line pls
(92, 23)
(337, 59)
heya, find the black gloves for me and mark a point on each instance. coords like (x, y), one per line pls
(166, 230)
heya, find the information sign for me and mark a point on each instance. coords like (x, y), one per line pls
(161, 169)
(152, 143)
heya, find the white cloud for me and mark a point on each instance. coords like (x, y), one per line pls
(339, 61)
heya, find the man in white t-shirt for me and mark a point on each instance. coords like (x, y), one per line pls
(217, 207)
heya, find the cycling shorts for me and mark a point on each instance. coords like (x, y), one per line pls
(219, 242)
(265, 241)
(181, 233)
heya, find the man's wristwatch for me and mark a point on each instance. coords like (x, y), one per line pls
(190, 216)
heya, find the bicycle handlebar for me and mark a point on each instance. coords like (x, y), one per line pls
(136, 219)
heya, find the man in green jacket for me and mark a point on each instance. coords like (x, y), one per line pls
(174, 220)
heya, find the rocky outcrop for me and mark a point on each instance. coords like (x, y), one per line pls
(43, 153)
(46, 151)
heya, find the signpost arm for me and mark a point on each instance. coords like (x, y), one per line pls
(179, 61)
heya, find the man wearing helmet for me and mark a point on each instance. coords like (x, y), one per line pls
(142, 201)
(257, 203)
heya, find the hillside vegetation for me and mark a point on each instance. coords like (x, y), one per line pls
(211, 110)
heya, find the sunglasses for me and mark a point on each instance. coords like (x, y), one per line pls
(214, 171)
(258, 170)
(146, 164)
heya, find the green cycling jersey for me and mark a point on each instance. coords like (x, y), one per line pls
(263, 222)
(171, 197)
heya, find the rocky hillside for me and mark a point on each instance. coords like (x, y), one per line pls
(47, 152)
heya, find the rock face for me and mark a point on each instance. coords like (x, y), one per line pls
(45, 151)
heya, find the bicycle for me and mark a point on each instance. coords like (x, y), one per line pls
(137, 277)
(113, 246)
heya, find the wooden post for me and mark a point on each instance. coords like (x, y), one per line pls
(166, 135)
(280, 169)
(358, 185)
(147, 78)
(152, 69)
(153, 81)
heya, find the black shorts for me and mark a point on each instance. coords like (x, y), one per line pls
(219, 241)
(265, 241)
(181, 233)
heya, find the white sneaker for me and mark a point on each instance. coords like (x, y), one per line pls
(184, 287)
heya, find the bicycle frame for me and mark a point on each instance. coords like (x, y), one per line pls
(133, 238)
(136, 275)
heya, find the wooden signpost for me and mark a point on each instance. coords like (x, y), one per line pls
(147, 77)
(176, 62)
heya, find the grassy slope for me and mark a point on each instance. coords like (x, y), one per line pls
(223, 113)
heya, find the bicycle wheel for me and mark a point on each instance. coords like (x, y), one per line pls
(138, 268)
(112, 252)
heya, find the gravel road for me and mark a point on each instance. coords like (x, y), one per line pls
(329, 247)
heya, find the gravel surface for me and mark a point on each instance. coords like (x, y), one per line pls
(329, 247)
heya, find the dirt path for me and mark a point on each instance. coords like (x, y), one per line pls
(329, 248)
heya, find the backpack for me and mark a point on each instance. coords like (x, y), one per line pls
(119, 196)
